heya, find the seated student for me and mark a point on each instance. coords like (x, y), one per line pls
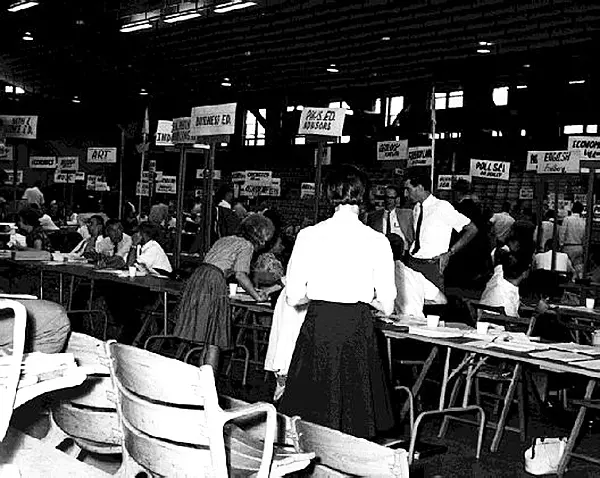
(543, 260)
(88, 247)
(115, 247)
(35, 236)
(147, 254)
(47, 328)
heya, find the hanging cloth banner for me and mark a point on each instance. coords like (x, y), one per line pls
(181, 131)
(588, 145)
(322, 121)
(164, 133)
(23, 127)
(214, 120)
(559, 162)
(420, 156)
(102, 155)
(482, 168)
(392, 150)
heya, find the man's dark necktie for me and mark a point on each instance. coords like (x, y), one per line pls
(388, 224)
(116, 249)
(418, 233)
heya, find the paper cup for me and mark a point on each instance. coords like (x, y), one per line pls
(232, 289)
(589, 302)
(482, 327)
(433, 321)
(132, 271)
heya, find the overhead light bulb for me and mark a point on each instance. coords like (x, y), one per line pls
(134, 27)
(76, 99)
(226, 82)
(17, 6)
(233, 5)
(27, 36)
(576, 82)
(143, 92)
(484, 51)
(386, 38)
(521, 87)
(182, 16)
(333, 68)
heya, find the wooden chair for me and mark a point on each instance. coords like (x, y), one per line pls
(10, 363)
(86, 414)
(173, 425)
(339, 454)
(506, 377)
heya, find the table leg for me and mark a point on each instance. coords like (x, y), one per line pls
(91, 298)
(71, 290)
(564, 461)
(60, 288)
(165, 312)
(41, 284)
(389, 354)
(445, 380)
(416, 388)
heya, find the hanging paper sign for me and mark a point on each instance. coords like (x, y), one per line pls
(238, 177)
(167, 185)
(533, 160)
(322, 121)
(201, 173)
(392, 150)
(419, 156)
(90, 183)
(275, 187)
(152, 165)
(102, 155)
(558, 162)
(307, 190)
(326, 161)
(526, 192)
(588, 145)
(259, 178)
(181, 131)
(10, 174)
(164, 133)
(68, 163)
(214, 120)
(23, 127)
(482, 168)
(6, 153)
(60, 177)
(444, 182)
(42, 162)
(142, 189)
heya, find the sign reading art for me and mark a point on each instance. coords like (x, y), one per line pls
(167, 185)
(588, 145)
(68, 163)
(322, 121)
(23, 127)
(392, 150)
(420, 156)
(181, 131)
(307, 190)
(164, 133)
(102, 155)
(558, 162)
(214, 120)
(482, 168)
(42, 162)
(6, 153)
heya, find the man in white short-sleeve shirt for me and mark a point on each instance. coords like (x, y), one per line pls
(434, 221)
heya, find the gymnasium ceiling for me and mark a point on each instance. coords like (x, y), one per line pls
(283, 47)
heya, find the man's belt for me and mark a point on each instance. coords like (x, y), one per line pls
(430, 268)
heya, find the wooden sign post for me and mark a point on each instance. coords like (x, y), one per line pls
(323, 124)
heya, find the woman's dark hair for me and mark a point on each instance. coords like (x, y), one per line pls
(257, 229)
(152, 230)
(30, 217)
(346, 184)
(418, 177)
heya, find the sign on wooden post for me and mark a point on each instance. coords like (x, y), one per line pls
(483, 168)
(420, 156)
(164, 133)
(102, 155)
(213, 120)
(322, 121)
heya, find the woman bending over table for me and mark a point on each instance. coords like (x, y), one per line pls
(203, 313)
(340, 267)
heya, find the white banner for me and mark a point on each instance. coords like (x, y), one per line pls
(588, 145)
(42, 162)
(181, 131)
(307, 190)
(6, 153)
(167, 185)
(79, 176)
(10, 174)
(558, 162)
(214, 120)
(322, 121)
(483, 168)
(164, 133)
(392, 150)
(24, 127)
(419, 156)
(68, 163)
(201, 173)
(102, 155)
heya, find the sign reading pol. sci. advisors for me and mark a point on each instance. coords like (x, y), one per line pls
(213, 120)
(392, 150)
(322, 121)
(102, 155)
(482, 168)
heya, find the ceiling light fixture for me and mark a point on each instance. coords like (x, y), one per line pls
(76, 99)
(521, 87)
(134, 27)
(143, 92)
(576, 82)
(23, 5)
(333, 68)
(526, 65)
(19, 90)
(386, 38)
(182, 16)
(27, 36)
(226, 82)
(484, 51)
(233, 5)
(485, 43)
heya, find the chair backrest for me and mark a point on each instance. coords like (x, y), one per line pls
(497, 315)
(10, 363)
(169, 412)
(348, 454)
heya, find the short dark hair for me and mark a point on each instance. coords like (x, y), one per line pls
(550, 214)
(30, 216)
(393, 188)
(152, 230)
(417, 177)
(577, 207)
(222, 192)
(346, 184)
(113, 222)
(98, 218)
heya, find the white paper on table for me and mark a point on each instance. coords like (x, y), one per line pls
(576, 348)
(559, 356)
(590, 364)
(439, 332)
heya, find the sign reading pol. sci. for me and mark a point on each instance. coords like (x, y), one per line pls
(24, 127)
(42, 162)
(420, 156)
(213, 120)
(322, 121)
(392, 150)
(164, 133)
(102, 155)
(181, 131)
(558, 162)
(483, 168)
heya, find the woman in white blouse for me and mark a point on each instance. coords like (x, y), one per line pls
(340, 267)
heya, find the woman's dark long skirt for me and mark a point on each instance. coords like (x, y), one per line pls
(336, 376)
